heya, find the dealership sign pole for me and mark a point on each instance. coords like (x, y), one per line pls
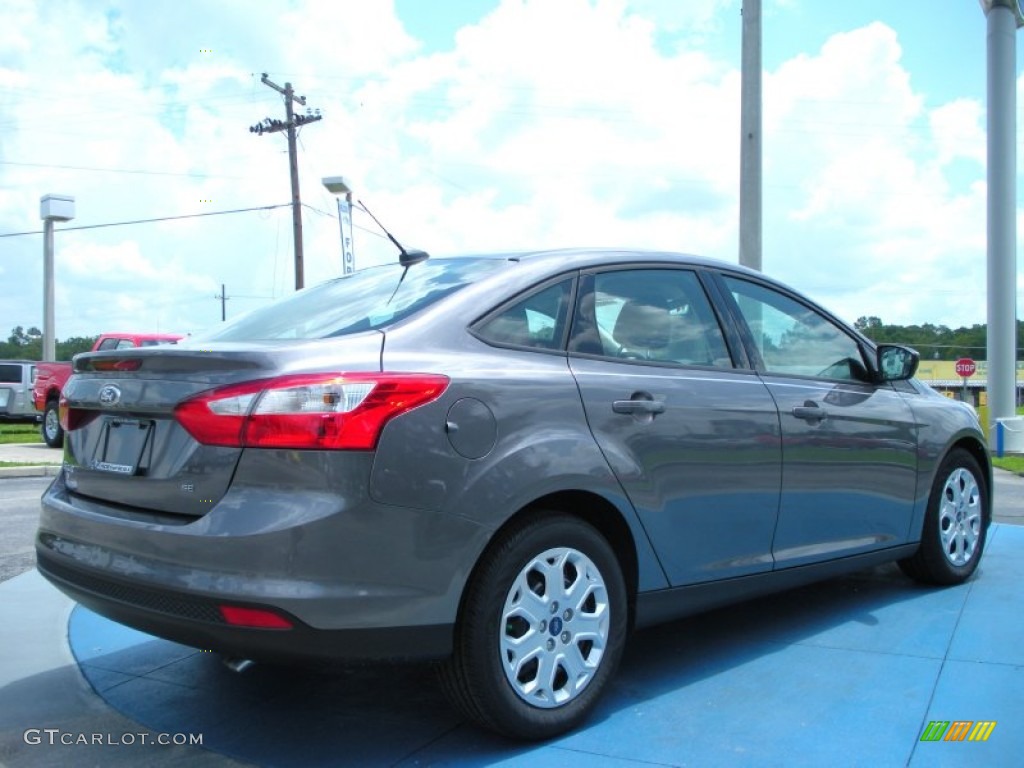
(340, 188)
(345, 221)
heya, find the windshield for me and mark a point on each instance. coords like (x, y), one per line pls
(364, 301)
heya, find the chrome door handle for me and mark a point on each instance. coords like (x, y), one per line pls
(638, 406)
(810, 411)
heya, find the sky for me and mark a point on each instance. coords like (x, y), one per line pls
(486, 125)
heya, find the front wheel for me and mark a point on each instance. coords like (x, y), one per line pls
(955, 524)
(541, 631)
(53, 433)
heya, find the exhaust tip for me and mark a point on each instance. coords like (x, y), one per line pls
(237, 665)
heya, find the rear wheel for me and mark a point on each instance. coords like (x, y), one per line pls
(541, 631)
(53, 433)
(954, 525)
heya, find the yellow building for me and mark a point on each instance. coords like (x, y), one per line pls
(941, 375)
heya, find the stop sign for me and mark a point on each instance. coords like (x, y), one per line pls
(965, 367)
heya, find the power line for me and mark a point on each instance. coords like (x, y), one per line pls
(330, 215)
(150, 221)
(121, 170)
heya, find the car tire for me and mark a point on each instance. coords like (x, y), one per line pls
(541, 630)
(52, 431)
(955, 523)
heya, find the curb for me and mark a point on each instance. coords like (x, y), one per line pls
(42, 470)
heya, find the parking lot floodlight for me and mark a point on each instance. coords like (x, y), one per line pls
(342, 190)
(337, 185)
(51, 208)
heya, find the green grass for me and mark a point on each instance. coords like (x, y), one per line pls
(25, 463)
(1011, 463)
(20, 433)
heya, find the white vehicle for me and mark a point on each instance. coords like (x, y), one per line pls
(16, 377)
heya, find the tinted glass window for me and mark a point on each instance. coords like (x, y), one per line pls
(537, 321)
(10, 374)
(794, 339)
(107, 344)
(658, 315)
(366, 300)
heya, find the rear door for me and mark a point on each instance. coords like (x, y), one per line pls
(692, 438)
(849, 446)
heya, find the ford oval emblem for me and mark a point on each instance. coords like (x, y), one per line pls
(110, 395)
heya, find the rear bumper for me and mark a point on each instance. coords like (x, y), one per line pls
(196, 621)
(359, 580)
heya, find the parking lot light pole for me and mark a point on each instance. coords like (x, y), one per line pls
(51, 208)
(1003, 18)
(340, 188)
(750, 139)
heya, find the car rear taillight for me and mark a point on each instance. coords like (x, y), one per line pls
(339, 411)
(73, 418)
(131, 364)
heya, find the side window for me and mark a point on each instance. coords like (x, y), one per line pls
(656, 315)
(125, 344)
(794, 339)
(536, 321)
(108, 344)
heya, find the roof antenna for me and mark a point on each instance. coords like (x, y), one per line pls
(407, 258)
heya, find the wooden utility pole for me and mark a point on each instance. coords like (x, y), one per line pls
(223, 303)
(291, 122)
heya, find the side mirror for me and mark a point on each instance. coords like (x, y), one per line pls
(896, 363)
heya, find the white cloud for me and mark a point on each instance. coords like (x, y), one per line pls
(958, 131)
(875, 226)
(578, 122)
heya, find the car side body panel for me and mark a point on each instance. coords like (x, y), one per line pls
(941, 425)
(540, 431)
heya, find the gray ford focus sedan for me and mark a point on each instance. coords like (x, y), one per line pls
(503, 463)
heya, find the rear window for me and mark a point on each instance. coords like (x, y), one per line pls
(364, 301)
(10, 373)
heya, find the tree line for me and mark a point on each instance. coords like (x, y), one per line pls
(934, 342)
(27, 344)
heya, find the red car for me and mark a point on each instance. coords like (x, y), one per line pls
(50, 378)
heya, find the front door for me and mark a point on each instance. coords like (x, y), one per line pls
(848, 445)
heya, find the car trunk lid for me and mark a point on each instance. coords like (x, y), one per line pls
(126, 446)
